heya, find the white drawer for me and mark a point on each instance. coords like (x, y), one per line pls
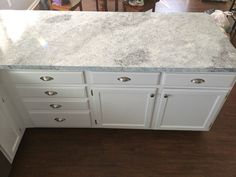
(63, 104)
(122, 78)
(54, 77)
(40, 91)
(65, 119)
(199, 80)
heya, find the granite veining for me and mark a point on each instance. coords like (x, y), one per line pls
(112, 41)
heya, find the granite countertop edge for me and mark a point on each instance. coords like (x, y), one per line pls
(113, 69)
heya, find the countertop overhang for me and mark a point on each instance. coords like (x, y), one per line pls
(113, 41)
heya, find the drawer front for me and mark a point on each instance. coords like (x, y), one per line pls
(56, 104)
(121, 78)
(47, 77)
(50, 119)
(43, 92)
(199, 80)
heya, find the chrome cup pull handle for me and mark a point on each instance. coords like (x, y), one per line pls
(59, 119)
(124, 79)
(51, 93)
(55, 106)
(46, 78)
(198, 81)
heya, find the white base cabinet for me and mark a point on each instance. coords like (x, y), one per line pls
(165, 101)
(65, 99)
(123, 107)
(161, 101)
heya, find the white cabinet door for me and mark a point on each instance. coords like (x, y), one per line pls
(123, 107)
(189, 109)
(9, 134)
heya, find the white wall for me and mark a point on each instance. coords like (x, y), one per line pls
(18, 4)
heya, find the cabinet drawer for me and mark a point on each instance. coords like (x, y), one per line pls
(47, 77)
(199, 80)
(65, 119)
(56, 104)
(121, 78)
(59, 92)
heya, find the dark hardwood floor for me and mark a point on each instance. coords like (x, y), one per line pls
(131, 153)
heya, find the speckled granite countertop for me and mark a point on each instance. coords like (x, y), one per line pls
(99, 41)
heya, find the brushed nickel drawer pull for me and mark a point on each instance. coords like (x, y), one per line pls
(59, 119)
(46, 78)
(198, 81)
(55, 106)
(123, 79)
(50, 93)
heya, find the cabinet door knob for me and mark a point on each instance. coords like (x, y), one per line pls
(55, 106)
(46, 78)
(152, 95)
(123, 79)
(198, 81)
(166, 96)
(59, 119)
(50, 93)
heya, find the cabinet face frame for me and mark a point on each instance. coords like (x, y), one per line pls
(216, 107)
(96, 104)
(160, 86)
